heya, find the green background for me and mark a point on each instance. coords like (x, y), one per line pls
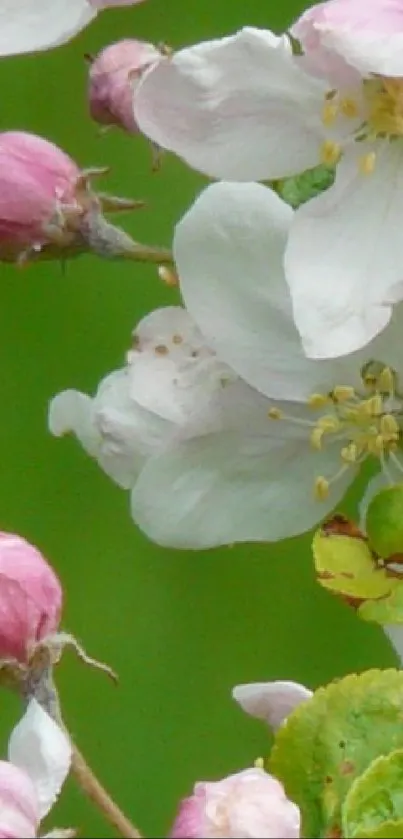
(181, 628)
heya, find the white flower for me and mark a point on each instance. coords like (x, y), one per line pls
(39, 757)
(230, 433)
(244, 108)
(29, 25)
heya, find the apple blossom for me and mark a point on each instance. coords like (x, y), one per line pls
(29, 25)
(39, 757)
(113, 76)
(49, 210)
(218, 423)
(248, 804)
(246, 108)
(30, 598)
(271, 701)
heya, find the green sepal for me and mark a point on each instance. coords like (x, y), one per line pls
(374, 802)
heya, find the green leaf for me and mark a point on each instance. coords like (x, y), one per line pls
(330, 740)
(374, 802)
(385, 610)
(384, 521)
(346, 565)
(386, 830)
(301, 188)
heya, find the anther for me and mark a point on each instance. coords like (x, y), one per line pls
(389, 426)
(386, 381)
(321, 488)
(366, 163)
(329, 113)
(330, 152)
(317, 400)
(349, 454)
(275, 414)
(343, 393)
(349, 107)
(161, 349)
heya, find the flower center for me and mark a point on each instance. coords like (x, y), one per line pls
(384, 100)
(363, 422)
(377, 110)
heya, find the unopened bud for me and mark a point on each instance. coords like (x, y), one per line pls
(30, 596)
(113, 76)
(251, 803)
(49, 210)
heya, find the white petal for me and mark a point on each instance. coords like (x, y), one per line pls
(38, 746)
(111, 427)
(172, 372)
(29, 25)
(271, 701)
(234, 487)
(72, 410)
(229, 249)
(345, 255)
(238, 108)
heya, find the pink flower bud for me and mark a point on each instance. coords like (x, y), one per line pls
(112, 81)
(30, 597)
(48, 208)
(19, 810)
(248, 804)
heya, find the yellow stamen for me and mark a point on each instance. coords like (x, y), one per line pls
(316, 438)
(349, 453)
(317, 400)
(386, 381)
(366, 163)
(343, 393)
(329, 113)
(275, 414)
(349, 107)
(389, 426)
(328, 423)
(259, 763)
(321, 488)
(330, 152)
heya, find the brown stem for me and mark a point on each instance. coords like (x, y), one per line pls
(100, 797)
(39, 684)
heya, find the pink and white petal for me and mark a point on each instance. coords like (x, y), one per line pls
(39, 747)
(30, 25)
(271, 701)
(72, 410)
(345, 254)
(19, 812)
(238, 108)
(229, 487)
(229, 250)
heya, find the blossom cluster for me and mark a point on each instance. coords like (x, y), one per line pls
(243, 411)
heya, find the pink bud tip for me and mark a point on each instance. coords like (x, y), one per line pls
(19, 811)
(37, 187)
(249, 804)
(112, 81)
(30, 597)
